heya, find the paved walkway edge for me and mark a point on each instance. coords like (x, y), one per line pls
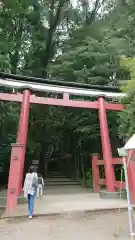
(100, 210)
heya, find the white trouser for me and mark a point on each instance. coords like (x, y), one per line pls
(39, 190)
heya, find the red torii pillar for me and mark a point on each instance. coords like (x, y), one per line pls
(95, 171)
(131, 174)
(18, 154)
(106, 146)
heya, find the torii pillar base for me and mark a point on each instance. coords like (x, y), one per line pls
(109, 195)
(14, 177)
(131, 180)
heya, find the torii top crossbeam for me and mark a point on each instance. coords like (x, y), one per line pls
(45, 85)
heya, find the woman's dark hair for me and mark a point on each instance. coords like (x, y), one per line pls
(31, 169)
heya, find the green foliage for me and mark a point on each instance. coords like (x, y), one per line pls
(89, 174)
(127, 116)
(94, 61)
(89, 179)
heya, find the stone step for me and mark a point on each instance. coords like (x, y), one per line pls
(61, 183)
(58, 180)
(59, 177)
(3, 201)
(2, 209)
(113, 195)
(55, 175)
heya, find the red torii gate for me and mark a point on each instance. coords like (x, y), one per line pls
(19, 148)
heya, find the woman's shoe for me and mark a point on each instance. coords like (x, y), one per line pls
(30, 217)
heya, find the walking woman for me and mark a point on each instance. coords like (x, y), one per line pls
(30, 189)
(40, 186)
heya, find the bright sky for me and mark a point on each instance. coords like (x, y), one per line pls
(73, 2)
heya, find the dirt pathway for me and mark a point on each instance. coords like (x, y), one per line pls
(95, 226)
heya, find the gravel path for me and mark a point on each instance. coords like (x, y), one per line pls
(93, 226)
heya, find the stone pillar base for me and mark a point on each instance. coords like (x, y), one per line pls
(112, 195)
